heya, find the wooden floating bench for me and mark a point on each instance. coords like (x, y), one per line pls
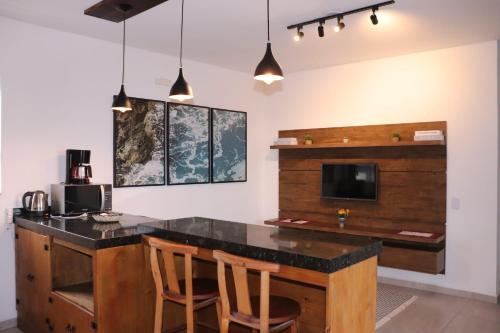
(385, 234)
(421, 254)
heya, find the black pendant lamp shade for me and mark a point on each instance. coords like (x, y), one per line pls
(268, 69)
(121, 102)
(181, 90)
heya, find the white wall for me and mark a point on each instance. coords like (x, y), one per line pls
(498, 188)
(57, 90)
(456, 85)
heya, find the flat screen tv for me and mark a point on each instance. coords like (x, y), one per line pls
(349, 181)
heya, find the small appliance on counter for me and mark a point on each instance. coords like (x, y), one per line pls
(74, 199)
(78, 169)
(37, 203)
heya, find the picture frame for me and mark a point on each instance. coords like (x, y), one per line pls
(189, 144)
(139, 144)
(229, 146)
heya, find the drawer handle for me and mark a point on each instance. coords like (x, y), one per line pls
(70, 328)
(30, 277)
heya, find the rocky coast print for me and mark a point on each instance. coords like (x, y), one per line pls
(139, 144)
(188, 144)
(229, 146)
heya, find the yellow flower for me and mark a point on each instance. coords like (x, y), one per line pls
(343, 212)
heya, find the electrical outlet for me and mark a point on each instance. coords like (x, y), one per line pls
(9, 218)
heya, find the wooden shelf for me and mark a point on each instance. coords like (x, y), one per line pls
(384, 234)
(81, 294)
(362, 144)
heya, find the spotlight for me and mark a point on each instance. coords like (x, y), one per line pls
(321, 29)
(340, 25)
(374, 17)
(299, 35)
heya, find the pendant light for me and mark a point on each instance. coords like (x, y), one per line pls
(121, 102)
(268, 69)
(181, 90)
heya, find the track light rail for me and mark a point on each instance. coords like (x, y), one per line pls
(341, 15)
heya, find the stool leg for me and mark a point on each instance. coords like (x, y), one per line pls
(158, 315)
(219, 312)
(224, 325)
(189, 319)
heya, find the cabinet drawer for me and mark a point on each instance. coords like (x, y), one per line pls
(66, 317)
(418, 260)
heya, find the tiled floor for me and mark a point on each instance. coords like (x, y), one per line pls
(437, 313)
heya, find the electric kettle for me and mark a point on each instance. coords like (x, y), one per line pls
(37, 203)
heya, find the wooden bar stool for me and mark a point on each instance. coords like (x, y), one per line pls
(265, 313)
(187, 291)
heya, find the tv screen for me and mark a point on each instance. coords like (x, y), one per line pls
(349, 181)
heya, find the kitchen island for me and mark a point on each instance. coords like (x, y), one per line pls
(105, 272)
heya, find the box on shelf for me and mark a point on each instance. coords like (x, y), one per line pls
(433, 135)
(286, 142)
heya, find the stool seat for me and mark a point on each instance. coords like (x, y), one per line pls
(281, 309)
(202, 288)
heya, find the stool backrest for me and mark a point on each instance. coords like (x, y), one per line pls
(168, 251)
(239, 266)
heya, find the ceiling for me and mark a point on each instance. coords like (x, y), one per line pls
(232, 33)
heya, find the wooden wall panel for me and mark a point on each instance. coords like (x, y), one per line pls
(412, 179)
(399, 193)
(403, 163)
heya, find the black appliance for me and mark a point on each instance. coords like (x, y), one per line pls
(73, 199)
(349, 181)
(78, 169)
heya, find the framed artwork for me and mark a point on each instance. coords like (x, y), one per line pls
(188, 144)
(229, 146)
(139, 144)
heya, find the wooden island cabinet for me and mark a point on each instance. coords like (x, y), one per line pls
(75, 277)
(63, 287)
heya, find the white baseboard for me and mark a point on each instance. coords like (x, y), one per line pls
(441, 290)
(10, 323)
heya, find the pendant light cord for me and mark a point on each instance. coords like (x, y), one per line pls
(182, 30)
(123, 52)
(268, 35)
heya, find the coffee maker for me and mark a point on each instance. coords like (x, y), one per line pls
(78, 169)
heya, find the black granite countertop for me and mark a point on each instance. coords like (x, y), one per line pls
(87, 233)
(319, 251)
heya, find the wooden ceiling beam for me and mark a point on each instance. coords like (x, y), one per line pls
(107, 9)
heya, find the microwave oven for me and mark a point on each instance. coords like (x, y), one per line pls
(76, 199)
